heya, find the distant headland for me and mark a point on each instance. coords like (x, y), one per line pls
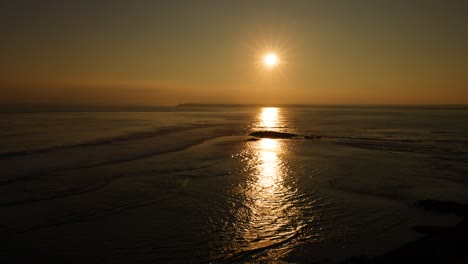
(396, 106)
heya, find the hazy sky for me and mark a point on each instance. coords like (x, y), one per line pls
(165, 52)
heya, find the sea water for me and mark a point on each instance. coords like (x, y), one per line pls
(187, 184)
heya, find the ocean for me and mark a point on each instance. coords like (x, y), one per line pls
(188, 184)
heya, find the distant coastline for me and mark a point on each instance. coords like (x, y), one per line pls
(396, 106)
(27, 108)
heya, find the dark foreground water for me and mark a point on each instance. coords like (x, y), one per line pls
(184, 185)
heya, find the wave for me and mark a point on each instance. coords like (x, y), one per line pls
(279, 134)
(28, 166)
(103, 141)
(449, 149)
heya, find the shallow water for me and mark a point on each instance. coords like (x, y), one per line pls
(185, 185)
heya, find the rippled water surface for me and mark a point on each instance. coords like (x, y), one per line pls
(190, 185)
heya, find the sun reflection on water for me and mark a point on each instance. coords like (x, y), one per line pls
(269, 165)
(265, 215)
(269, 117)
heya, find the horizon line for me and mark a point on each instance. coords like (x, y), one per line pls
(6, 108)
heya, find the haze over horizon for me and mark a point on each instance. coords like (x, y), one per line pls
(166, 52)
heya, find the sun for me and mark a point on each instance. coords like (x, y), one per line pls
(270, 60)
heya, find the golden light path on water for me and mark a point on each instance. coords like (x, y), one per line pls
(267, 221)
(269, 117)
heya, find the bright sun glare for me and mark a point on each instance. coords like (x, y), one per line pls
(270, 60)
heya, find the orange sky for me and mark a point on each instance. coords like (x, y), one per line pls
(166, 52)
